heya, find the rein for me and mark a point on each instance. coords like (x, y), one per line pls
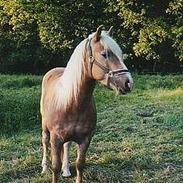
(108, 72)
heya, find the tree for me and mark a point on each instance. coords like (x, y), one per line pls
(153, 29)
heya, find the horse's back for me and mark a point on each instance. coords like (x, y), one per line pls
(53, 74)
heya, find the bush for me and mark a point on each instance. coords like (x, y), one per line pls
(15, 81)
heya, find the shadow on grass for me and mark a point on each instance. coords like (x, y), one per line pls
(14, 174)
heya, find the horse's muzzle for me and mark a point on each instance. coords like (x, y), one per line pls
(124, 84)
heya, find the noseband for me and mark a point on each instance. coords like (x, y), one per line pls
(108, 72)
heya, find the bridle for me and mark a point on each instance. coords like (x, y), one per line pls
(108, 72)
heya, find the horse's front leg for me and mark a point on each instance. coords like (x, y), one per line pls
(82, 148)
(65, 159)
(56, 146)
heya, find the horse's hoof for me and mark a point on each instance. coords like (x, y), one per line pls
(66, 173)
(44, 170)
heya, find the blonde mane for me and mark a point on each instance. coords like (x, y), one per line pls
(70, 83)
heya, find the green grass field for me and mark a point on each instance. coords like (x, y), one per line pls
(139, 137)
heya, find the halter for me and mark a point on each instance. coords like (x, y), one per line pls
(108, 72)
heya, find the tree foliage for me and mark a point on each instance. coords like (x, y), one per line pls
(154, 28)
(36, 35)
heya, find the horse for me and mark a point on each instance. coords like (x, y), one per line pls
(67, 104)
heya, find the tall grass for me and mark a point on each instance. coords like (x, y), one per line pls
(19, 102)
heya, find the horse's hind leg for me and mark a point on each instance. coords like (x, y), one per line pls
(65, 159)
(45, 142)
(56, 145)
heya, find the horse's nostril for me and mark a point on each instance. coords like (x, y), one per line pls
(127, 85)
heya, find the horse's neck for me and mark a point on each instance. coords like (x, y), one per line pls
(82, 100)
(86, 88)
(81, 86)
(85, 94)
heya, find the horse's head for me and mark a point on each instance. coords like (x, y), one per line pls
(106, 62)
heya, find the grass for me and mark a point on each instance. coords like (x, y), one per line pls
(19, 102)
(138, 137)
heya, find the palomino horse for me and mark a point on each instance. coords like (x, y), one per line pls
(67, 105)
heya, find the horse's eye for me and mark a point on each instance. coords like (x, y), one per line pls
(104, 55)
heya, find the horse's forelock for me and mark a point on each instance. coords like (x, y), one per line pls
(109, 43)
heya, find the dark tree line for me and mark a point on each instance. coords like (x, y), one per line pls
(36, 35)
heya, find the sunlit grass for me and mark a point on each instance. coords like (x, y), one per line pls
(168, 93)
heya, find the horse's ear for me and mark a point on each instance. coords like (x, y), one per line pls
(109, 32)
(98, 33)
